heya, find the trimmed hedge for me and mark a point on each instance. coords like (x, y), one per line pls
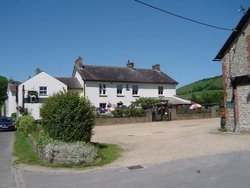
(26, 124)
(133, 112)
(68, 117)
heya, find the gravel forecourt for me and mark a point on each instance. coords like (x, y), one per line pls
(156, 142)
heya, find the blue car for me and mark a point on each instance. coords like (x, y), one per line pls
(7, 124)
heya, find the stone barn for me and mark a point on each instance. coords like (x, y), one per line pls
(235, 59)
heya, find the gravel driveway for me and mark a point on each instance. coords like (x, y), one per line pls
(156, 142)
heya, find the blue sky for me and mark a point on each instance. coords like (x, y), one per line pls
(51, 34)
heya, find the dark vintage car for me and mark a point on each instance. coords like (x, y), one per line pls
(7, 124)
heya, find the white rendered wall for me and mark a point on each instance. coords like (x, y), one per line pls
(78, 76)
(10, 103)
(145, 90)
(43, 79)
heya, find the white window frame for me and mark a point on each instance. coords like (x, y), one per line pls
(119, 90)
(135, 90)
(43, 91)
(102, 90)
(127, 87)
(160, 90)
(103, 105)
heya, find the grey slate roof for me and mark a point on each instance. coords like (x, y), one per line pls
(71, 82)
(123, 74)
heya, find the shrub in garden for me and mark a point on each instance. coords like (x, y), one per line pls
(133, 112)
(70, 153)
(137, 112)
(119, 112)
(13, 116)
(26, 124)
(68, 117)
(145, 102)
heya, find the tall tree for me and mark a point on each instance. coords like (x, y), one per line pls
(3, 89)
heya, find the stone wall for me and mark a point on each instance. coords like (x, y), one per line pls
(175, 116)
(123, 120)
(65, 153)
(244, 111)
(148, 118)
(236, 62)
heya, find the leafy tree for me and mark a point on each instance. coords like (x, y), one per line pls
(209, 97)
(145, 102)
(68, 117)
(194, 98)
(3, 89)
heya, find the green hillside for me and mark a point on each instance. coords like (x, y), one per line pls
(199, 89)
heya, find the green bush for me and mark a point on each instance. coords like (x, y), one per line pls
(145, 102)
(133, 112)
(43, 139)
(26, 124)
(13, 115)
(68, 117)
(119, 112)
(137, 112)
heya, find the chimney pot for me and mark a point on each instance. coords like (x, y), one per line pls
(78, 62)
(130, 64)
(156, 67)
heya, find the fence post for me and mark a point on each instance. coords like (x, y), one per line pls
(213, 112)
(173, 115)
(149, 115)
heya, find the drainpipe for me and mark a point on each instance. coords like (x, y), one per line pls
(232, 84)
(233, 100)
(234, 116)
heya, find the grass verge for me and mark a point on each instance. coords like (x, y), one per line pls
(24, 153)
(223, 130)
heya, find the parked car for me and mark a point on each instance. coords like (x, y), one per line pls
(121, 107)
(7, 124)
(100, 110)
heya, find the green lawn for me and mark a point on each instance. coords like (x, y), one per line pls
(24, 153)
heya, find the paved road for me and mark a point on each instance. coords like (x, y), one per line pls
(6, 177)
(221, 171)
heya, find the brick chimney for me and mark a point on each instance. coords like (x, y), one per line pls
(156, 67)
(78, 62)
(130, 64)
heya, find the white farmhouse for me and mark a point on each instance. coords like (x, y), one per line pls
(104, 85)
(10, 105)
(33, 91)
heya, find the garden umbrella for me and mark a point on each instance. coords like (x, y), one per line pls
(195, 106)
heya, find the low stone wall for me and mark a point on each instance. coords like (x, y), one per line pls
(148, 118)
(175, 116)
(123, 120)
(65, 153)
